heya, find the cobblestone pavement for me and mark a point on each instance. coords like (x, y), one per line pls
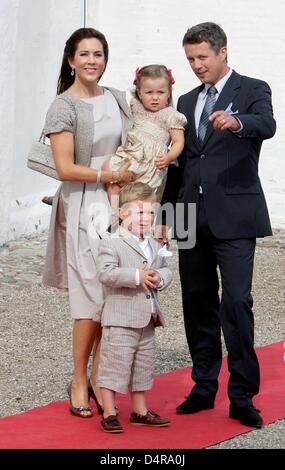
(35, 334)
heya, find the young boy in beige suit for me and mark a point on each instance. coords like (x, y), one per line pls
(132, 267)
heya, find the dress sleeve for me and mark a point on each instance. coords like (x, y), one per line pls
(175, 119)
(60, 117)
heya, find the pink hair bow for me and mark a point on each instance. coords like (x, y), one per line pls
(172, 81)
(136, 75)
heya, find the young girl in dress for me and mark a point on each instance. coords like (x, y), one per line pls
(156, 126)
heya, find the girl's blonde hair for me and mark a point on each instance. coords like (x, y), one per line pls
(153, 71)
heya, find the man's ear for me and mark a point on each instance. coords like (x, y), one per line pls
(224, 52)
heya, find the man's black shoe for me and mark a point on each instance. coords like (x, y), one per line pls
(248, 415)
(195, 403)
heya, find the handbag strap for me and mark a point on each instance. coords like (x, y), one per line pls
(42, 137)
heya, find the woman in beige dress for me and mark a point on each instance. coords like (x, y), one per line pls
(85, 123)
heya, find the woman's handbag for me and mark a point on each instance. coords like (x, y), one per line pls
(40, 158)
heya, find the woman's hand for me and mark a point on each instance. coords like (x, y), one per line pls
(125, 176)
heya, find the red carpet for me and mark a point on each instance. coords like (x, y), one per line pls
(52, 427)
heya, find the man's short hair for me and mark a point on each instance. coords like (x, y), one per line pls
(206, 32)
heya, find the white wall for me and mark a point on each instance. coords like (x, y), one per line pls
(32, 37)
(33, 33)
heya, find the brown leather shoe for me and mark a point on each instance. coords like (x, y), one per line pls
(111, 424)
(150, 419)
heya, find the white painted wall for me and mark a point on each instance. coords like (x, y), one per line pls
(32, 37)
(139, 32)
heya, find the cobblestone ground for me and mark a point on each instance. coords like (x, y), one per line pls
(35, 335)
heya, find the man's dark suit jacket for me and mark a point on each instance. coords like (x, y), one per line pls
(226, 165)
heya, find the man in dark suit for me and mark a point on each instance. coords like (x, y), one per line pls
(229, 116)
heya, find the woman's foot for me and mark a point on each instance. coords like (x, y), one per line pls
(92, 393)
(99, 404)
(78, 401)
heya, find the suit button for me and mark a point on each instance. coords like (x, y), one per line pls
(203, 156)
(148, 296)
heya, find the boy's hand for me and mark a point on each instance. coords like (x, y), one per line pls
(146, 281)
(156, 279)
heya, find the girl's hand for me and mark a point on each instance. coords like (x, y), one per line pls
(162, 161)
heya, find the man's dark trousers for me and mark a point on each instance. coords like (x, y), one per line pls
(205, 313)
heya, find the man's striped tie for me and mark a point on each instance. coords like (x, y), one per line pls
(207, 110)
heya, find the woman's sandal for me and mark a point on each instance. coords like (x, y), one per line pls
(78, 410)
(100, 408)
(91, 394)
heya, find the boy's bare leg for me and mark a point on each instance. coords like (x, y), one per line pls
(108, 399)
(139, 403)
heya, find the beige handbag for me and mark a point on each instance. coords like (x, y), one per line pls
(40, 158)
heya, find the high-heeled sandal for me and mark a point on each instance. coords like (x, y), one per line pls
(100, 408)
(78, 410)
(91, 394)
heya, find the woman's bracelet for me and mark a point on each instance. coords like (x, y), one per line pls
(98, 179)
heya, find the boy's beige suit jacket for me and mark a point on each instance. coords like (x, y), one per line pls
(126, 304)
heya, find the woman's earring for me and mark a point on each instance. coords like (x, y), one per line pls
(72, 72)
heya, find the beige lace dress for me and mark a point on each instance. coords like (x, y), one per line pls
(148, 138)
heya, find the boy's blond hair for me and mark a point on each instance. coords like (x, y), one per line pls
(135, 192)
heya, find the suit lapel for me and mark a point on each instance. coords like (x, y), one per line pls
(134, 245)
(226, 97)
(131, 241)
(191, 114)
